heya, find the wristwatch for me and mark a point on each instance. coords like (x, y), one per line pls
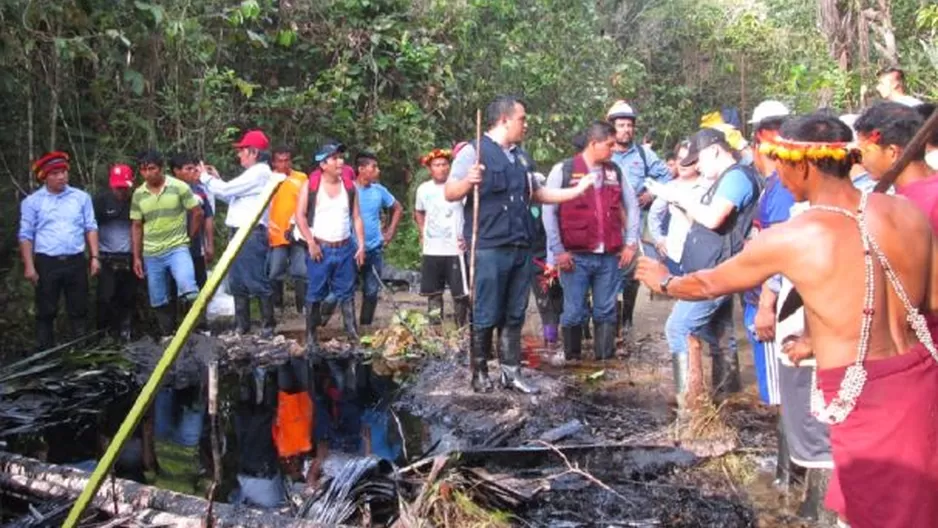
(664, 284)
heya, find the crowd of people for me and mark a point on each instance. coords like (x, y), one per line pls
(836, 285)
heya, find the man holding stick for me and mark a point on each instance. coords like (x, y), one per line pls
(502, 170)
(877, 366)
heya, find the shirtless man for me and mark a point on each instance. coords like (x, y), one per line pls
(883, 430)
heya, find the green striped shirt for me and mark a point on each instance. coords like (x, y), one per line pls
(164, 215)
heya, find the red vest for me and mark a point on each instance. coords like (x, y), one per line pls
(597, 217)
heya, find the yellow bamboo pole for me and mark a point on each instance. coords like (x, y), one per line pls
(172, 351)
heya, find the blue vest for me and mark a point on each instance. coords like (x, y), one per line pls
(504, 198)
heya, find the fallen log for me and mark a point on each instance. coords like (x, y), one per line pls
(147, 503)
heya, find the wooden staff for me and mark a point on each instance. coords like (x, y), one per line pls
(915, 146)
(475, 214)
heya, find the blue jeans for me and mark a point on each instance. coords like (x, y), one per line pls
(708, 320)
(502, 287)
(282, 258)
(247, 276)
(594, 273)
(176, 263)
(759, 357)
(333, 274)
(374, 258)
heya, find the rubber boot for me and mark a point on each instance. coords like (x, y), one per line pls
(619, 325)
(348, 319)
(369, 304)
(604, 344)
(435, 309)
(202, 323)
(481, 348)
(461, 306)
(629, 295)
(695, 394)
(125, 327)
(782, 460)
(164, 319)
(79, 327)
(815, 488)
(511, 361)
(572, 342)
(299, 294)
(328, 308)
(313, 320)
(724, 374)
(242, 314)
(679, 368)
(276, 287)
(268, 322)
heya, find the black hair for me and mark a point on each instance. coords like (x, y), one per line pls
(769, 124)
(822, 128)
(894, 124)
(179, 159)
(900, 74)
(365, 157)
(926, 110)
(263, 156)
(598, 131)
(650, 136)
(501, 107)
(282, 149)
(579, 141)
(150, 157)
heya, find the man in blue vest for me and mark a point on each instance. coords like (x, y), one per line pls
(637, 162)
(502, 279)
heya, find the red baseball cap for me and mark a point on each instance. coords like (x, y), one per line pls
(121, 177)
(253, 139)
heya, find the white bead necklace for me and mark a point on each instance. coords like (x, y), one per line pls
(855, 376)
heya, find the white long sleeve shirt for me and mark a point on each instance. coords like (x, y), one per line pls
(242, 193)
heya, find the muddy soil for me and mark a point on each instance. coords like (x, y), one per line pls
(626, 401)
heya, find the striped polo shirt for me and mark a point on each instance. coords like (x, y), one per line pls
(164, 215)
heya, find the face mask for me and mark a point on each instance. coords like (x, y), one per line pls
(931, 159)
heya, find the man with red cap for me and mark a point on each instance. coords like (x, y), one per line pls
(117, 284)
(247, 276)
(56, 223)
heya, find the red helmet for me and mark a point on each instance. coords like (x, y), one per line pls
(121, 176)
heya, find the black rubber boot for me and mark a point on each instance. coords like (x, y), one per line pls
(242, 314)
(268, 322)
(481, 348)
(348, 319)
(724, 374)
(276, 287)
(619, 324)
(164, 319)
(202, 324)
(815, 488)
(299, 294)
(328, 308)
(369, 304)
(604, 345)
(511, 361)
(435, 309)
(461, 306)
(629, 295)
(782, 460)
(572, 342)
(126, 327)
(313, 320)
(79, 327)
(45, 334)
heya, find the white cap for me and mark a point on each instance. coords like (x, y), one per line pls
(620, 109)
(767, 110)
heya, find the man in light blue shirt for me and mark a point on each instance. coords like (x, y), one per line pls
(637, 163)
(56, 222)
(373, 198)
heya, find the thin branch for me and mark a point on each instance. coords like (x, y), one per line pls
(575, 469)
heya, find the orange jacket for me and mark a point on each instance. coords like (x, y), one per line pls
(282, 207)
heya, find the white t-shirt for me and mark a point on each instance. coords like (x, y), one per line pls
(444, 220)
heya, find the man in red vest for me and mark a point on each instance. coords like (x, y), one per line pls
(586, 240)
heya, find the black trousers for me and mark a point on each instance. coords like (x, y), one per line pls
(198, 263)
(66, 275)
(117, 292)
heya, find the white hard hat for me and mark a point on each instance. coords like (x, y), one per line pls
(620, 109)
(767, 110)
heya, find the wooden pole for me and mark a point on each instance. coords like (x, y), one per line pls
(169, 356)
(475, 213)
(914, 146)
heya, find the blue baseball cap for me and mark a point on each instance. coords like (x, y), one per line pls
(327, 150)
